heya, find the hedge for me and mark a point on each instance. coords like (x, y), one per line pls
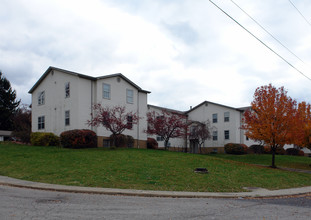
(232, 148)
(122, 141)
(78, 139)
(44, 139)
(152, 143)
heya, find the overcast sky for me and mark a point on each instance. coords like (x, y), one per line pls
(183, 51)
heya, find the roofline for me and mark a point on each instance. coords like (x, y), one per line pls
(125, 78)
(167, 109)
(207, 102)
(51, 68)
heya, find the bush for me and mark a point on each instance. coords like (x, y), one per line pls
(232, 148)
(294, 152)
(78, 139)
(22, 136)
(301, 153)
(122, 141)
(267, 149)
(44, 139)
(152, 143)
(257, 149)
(280, 151)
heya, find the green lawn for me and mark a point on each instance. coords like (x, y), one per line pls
(296, 162)
(139, 169)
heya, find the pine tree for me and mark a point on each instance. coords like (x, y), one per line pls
(8, 104)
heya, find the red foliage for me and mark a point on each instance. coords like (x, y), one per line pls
(166, 125)
(78, 139)
(152, 143)
(115, 119)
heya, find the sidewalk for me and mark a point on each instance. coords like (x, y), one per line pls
(254, 192)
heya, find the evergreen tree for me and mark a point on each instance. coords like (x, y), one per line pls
(8, 104)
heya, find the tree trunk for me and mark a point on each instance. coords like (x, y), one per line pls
(273, 157)
(165, 144)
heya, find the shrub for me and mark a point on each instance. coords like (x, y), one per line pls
(44, 139)
(152, 143)
(120, 140)
(22, 136)
(267, 149)
(257, 149)
(232, 148)
(301, 153)
(78, 139)
(280, 151)
(294, 152)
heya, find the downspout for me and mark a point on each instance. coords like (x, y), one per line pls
(92, 104)
(138, 119)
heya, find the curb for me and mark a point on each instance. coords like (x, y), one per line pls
(253, 193)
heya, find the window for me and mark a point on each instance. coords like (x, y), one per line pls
(67, 90)
(227, 135)
(247, 138)
(129, 96)
(41, 122)
(215, 118)
(226, 116)
(193, 131)
(215, 135)
(160, 138)
(129, 122)
(67, 118)
(41, 98)
(106, 91)
(106, 143)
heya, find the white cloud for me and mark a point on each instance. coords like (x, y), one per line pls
(184, 52)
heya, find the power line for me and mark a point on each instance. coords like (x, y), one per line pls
(267, 31)
(260, 40)
(300, 12)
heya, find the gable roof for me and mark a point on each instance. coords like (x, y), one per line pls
(207, 102)
(124, 78)
(51, 68)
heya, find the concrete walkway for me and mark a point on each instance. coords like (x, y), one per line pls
(253, 192)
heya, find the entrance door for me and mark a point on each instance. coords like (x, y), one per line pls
(194, 146)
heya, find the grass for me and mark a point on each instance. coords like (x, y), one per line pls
(296, 162)
(139, 169)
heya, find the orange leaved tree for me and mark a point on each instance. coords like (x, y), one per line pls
(302, 134)
(271, 118)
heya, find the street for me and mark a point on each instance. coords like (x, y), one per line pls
(21, 203)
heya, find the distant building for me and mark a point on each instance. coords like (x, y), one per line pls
(62, 100)
(5, 135)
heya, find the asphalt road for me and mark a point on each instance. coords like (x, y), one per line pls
(21, 203)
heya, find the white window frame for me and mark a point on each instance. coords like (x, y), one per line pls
(67, 118)
(130, 121)
(106, 91)
(215, 135)
(227, 136)
(215, 118)
(130, 96)
(41, 98)
(226, 116)
(67, 89)
(41, 122)
(160, 138)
